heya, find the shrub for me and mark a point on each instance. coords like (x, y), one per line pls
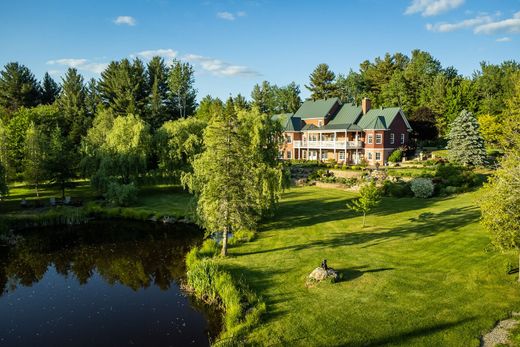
(396, 156)
(121, 194)
(243, 235)
(397, 189)
(422, 187)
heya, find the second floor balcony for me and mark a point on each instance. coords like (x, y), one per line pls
(338, 144)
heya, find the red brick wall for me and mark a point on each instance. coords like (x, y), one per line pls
(397, 127)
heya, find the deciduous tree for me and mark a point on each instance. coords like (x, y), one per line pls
(370, 197)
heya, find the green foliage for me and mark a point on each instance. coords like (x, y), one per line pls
(18, 88)
(34, 162)
(422, 187)
(370, 197)
(208, 107)
(465, 144)
(396, 156)
(157, 74)
(50, 90)
(322, 83)
(121, 194)
(272, 99)
(4, 188)
(397, 189)
(60, 160)
(241, 236)
(178, 143)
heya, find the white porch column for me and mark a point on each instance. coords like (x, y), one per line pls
(335, 157)
(345, 147)
(307, 139)
(319, 144)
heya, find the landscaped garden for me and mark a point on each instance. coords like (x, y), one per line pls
(422, 272)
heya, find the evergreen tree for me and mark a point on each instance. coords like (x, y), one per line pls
(92, 97)
(322, 83)
(288, 98)
(240, 103)
(73, 106)
(50, 90)
(264, 97)
(465, 144)
(34, 170)
(181, 88)
(18, 87)
(349, 87)
(157, 74)
(208, 107)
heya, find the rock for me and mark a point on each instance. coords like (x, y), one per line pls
(168, 220)
(319, 274)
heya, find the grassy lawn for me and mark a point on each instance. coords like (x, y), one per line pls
(161, 200)
(418, 274)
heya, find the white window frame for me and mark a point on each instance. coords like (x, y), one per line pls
(378, 156)
(323, 155)
(369, 155)
(370, 139)
(379, 139)
(304, 154)
(320, 123)
(289, 155)
(392, 138)
(288, 138)
(402, 138)
(341, 155)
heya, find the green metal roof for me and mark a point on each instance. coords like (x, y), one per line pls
(380, 118)
(316, 108)
(348, 114)
(288, 121)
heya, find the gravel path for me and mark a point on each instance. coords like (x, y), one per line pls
(500, 333)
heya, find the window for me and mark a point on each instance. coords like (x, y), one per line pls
(392, 138)
(288, 138)
(378, 156)
(320, 123)
(304, 155)
(341, 155)
(402, 138)
(324, 155)
(379, 139)
(369, 155)
(370, 138)
(289, 154)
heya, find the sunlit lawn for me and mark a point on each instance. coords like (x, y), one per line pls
(419, 274)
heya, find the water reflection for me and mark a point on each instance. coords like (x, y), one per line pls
(103, 284)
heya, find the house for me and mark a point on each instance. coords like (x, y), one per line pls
(347, 133)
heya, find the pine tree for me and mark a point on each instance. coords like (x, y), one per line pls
(322, 83)
(92, 98)
(465, 144)
(50, 90)
(59, 161)
(157, 74)
(73, 107)
(181, 89)
(18, 87)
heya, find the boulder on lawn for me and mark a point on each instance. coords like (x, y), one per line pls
(319, 274)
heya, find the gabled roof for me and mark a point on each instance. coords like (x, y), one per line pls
(288, 121)
(316, 108)
(348, 114)
(380, 118)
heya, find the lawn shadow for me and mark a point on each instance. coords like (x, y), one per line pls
(350, 274)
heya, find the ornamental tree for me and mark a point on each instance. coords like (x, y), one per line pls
(465, 143)
(370, 198)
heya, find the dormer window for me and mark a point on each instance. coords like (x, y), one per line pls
(320, 123)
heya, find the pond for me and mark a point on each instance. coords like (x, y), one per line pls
(106, 283)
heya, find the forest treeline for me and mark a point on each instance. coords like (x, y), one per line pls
(141, 120)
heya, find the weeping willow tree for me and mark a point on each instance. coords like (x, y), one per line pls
(236, 179)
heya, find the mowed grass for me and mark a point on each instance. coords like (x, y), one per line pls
(159, 200)
(419, 274)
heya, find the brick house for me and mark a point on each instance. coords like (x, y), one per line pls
(328, 130)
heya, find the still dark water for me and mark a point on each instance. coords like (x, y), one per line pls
(106, 283)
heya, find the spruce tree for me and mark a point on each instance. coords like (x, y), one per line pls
(18, 87)
(72, 105)
(465, 144)
(157, 74)
(50, 90)
(322, 83)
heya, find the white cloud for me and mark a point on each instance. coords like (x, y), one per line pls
(432, 7)
(503, 39)
(80, 64)
(468, 23)
(510, 25)
(165, 53)
(230, 16)
(226, 15)
(220, 68)
(125, 20)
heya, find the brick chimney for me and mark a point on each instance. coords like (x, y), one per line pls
(365, 105)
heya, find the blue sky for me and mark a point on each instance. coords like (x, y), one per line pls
(235, 44)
